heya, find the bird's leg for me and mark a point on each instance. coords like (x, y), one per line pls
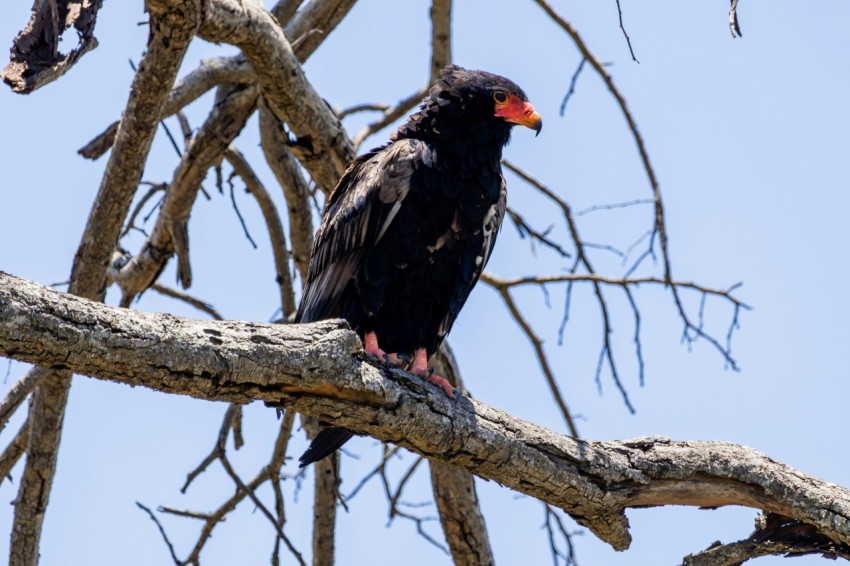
(420, 368)
(370, 344)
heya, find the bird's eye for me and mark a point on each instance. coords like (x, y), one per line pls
(500, 97)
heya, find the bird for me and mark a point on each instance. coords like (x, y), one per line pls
(409, 227)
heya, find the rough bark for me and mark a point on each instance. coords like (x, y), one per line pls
(170, 234)
(319, 369)
(326, 490)
(321, 143)
(454, 491)
(285, 168)
(171, 32)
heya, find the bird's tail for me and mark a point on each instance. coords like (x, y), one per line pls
(326, 443)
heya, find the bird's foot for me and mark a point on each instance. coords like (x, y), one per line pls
(370, 344)
(421, 369)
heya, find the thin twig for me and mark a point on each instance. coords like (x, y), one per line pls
(734, 25)
(390, 116)
(161, 531)
(571, 91)
(202, 306)
(626, 35)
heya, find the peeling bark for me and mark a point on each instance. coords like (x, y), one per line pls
(319, 369)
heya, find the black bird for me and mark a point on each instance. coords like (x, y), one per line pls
(410, 226)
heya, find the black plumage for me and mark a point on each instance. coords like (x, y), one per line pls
(410, 226)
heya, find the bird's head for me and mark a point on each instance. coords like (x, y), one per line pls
(473, 104)
(483, 94)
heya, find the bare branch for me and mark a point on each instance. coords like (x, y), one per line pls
(317, 369)
(542, 359)
(275, 228)
(572, 90)
(441, 37)
(170, 234)
(320, 141)
(734, 26)
(18, 392)
(390, 116)
(454, 491)
(202, 306)
(774, 535)
(161, 532)
(168, 40)
(599, 67)
(321, 16)
(14, 451)
(35, 57)
(325, 495)
(625, 34)
(210, 73)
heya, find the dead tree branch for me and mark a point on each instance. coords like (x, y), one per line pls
(774, 535)
(35, 56)
(280, 251)
(285, 168)
(317, 369)
(171, 32)
(170, 234)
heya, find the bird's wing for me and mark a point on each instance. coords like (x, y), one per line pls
(358, 213)
(491, 226)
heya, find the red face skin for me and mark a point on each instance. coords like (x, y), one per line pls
(518, 111)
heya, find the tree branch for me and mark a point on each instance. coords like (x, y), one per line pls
(319, 370)
(35, 57)
(321, 143)
(171, 32)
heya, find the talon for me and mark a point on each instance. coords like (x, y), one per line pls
(443, 384)
(420, 368)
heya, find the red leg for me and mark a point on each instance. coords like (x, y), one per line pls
(420, 368)
(370, 344)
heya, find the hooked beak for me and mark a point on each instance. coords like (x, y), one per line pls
(522, 113)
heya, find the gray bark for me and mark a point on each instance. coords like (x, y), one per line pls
(319, 369)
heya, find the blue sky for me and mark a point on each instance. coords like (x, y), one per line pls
(749, 138)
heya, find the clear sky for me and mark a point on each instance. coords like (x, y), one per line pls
(750, 140)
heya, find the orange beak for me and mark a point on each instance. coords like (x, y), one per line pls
(518, 111)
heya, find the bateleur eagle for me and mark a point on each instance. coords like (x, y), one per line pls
(410, 226)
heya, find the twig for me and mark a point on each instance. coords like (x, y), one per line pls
(614, 205)
(131, 222)
(161, 531)
(734, 26)
(239, 215)
(274, 226)
(202, 306)
(537, 344)
(390, 116)
(18, 392)
(14, 451)
(626, 35)
(362, 108)
(571, 91)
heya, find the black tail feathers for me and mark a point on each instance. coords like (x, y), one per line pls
(326, 443)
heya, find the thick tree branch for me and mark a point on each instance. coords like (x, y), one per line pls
(454, 491)
(170, 234)
(171, 32)
(285, 168)
(318, 369)
(320, 141)
(280, 252)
